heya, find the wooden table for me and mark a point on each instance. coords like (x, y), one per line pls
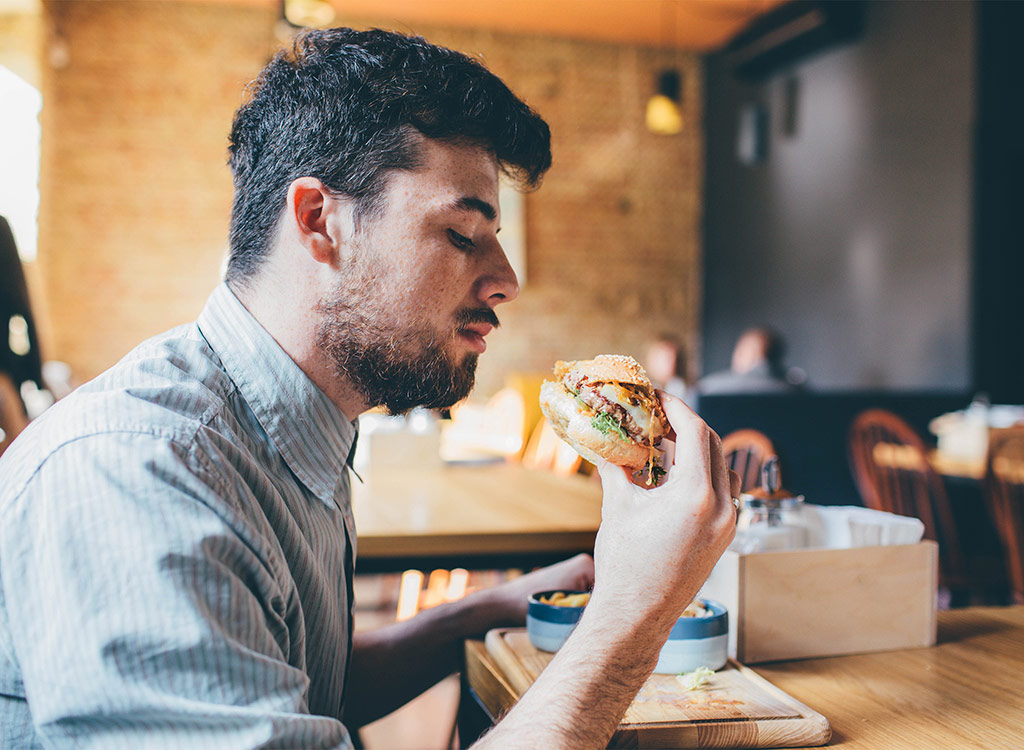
(956, 467)
(472, 516)
(966, 692)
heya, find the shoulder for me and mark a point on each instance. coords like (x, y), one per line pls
(175, 376)
(716, 382)
(750, 382)
(163, 392)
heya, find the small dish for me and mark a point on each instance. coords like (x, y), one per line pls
(696, 642)
(549, 625)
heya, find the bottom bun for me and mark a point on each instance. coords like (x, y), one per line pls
(576, 428)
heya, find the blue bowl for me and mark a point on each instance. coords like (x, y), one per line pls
(548, 625)
(696, 642)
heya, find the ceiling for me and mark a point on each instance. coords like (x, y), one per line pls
(698, 25)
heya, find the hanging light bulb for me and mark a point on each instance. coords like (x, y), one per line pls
(664, 115)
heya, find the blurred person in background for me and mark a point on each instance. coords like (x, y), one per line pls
(756, 367)
(667, 366)
(20, 362)
(177, 546)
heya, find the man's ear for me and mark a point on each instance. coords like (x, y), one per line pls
(321, 220)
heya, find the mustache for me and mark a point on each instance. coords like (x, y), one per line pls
(470, 315)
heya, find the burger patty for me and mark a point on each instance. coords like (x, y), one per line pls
(601, 405)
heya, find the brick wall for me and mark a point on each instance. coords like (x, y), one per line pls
(136, 193)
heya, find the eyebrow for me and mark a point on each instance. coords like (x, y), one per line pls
(470, 203)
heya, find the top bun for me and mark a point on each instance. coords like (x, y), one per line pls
(605, 368)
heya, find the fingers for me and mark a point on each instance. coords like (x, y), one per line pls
(720, 479)
(691, 439)
(616, 484)
(575, 573)
(583, 567)
(735, 483)
(665, 398)
(719, 469)
(613, 476)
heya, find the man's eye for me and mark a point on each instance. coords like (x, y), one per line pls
(461, 242)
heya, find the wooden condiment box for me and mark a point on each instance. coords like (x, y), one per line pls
(795, 604)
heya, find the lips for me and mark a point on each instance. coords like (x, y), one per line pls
(473, 325)
(474, 336)
(480, 329)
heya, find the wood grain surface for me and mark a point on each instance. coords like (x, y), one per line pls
(474, 510)
(804, 603)
(736, 709)
(966, 692)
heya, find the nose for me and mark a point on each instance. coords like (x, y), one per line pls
(499, 283)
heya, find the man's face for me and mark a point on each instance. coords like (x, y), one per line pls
(406, 321)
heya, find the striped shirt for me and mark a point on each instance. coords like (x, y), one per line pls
(176, 552)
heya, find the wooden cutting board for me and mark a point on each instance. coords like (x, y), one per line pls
(738, 708)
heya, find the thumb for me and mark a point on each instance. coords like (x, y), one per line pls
(612, 476)
(616, 483)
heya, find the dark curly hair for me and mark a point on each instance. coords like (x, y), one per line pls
(344, 106)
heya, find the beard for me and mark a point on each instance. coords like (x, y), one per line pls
(389, 364)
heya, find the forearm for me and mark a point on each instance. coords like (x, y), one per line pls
(580, 698)
(652, 551)
(392, 665)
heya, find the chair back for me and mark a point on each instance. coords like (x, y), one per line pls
(745, 453)
(890, 467)
(1004, 488)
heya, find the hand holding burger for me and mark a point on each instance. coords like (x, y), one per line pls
(605, 408)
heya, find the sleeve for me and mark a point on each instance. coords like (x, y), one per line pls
(143, 612)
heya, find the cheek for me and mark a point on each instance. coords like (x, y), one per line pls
(440, 283)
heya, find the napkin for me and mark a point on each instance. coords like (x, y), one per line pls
(843, 526)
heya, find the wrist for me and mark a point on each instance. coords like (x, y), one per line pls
(649, 618)
(622, 650)
(481, 611)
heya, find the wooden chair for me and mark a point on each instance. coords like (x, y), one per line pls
(745, 452)
(1004, 488)
(545, 450)
(890, 467)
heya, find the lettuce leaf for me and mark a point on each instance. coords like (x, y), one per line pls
(607, 424)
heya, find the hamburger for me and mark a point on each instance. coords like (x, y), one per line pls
(605, 408)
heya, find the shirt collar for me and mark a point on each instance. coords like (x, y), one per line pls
(309, 431)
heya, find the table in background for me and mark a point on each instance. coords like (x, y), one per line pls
(484, 516)
(965, 692)
(954, 467)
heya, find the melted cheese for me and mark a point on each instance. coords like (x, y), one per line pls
(619, 395)
(650, 455)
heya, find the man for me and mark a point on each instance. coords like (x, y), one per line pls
(756, 367)
(176, 542)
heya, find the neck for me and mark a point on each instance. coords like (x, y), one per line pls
(287, 310)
